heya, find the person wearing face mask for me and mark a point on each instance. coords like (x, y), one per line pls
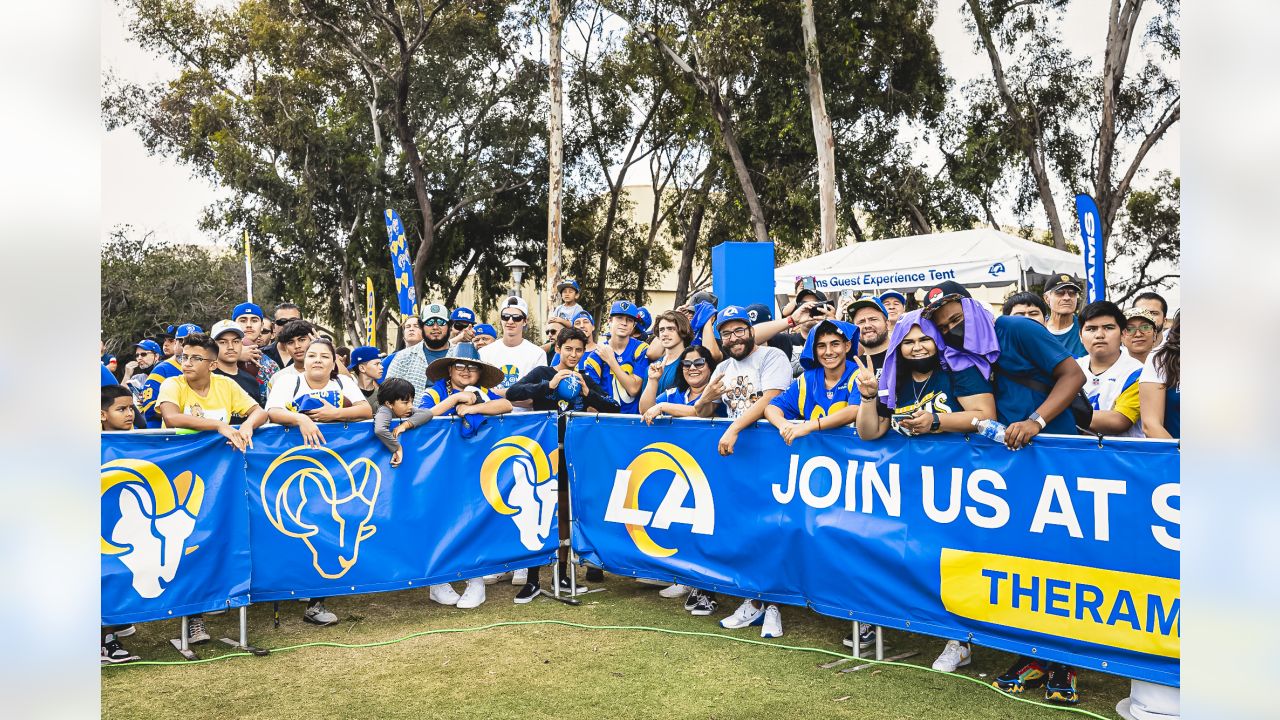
(1035, 378)
(919, 393)
(825, 395)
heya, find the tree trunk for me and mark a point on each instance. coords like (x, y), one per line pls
(823, 139)
(691, 234)
(462, 278)
(1028, 134)
(408, 143)
(555, 155)
(856, 227)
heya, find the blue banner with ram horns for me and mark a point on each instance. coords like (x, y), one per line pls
(1066, 550)
(174, 528)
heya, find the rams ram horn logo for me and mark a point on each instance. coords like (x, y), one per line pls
(531, 502)
(151, 518)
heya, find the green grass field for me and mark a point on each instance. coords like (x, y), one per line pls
(550, 671)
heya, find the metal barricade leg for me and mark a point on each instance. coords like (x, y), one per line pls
(180, 643)
(857, 637)
(244, 634)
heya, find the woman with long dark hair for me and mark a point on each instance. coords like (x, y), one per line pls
(696, 364)
(1160, 387)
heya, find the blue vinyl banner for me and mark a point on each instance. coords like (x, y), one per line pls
(401, 265)
(1066, 549)
(174, 527)
(339, 520)
(1091, 234)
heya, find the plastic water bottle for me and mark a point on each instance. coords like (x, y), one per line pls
(990, 429)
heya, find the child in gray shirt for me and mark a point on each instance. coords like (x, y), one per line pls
(396, 395)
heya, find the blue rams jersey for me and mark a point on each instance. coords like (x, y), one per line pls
(440, 390)
(632, 359)
(807, 398)
(151, 389)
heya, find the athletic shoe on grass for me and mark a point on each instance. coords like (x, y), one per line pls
(125, 631)
(1060, 685)
(113, 652)
(703, 604)
(772, 626)
(528, 593)
(566, 588)
(473, 595)
(444, 594)
(866, 637)
(520, 577)
(196, 633)
(317, 615)
(955, 655)
(673, 591)
(746, 614)
(1024, 673)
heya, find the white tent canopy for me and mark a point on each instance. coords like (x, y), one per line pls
(970, 257)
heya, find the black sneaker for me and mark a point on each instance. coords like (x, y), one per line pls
(595, 574)
(866, 637)
(691, 601)
(528, 593)
(196, 633)
(565, 587)
(113, 652)
(705, 605)
(1025, 672)
(1060, 685)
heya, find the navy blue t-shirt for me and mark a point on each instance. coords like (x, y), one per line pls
(1027, 348)
(1071, 339)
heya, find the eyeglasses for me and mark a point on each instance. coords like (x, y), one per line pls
(691, 364)
(465, 367)
(461, 325)
(511, 318)
(1143, 328)
(285, 321)
(185, 358)
(435, 322)
(737, 334)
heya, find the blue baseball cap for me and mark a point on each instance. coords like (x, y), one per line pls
(626, 308)
(363, 354)
(246, 309)
(643, 319)
(583, 314)
(900, 297)
(568, 283)
(149, 346)
(486, 329)
(759, 313)
(186, 329)
(731, 313)
(463, 314)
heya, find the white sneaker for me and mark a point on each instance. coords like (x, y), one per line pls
(746, 614)
(491, 579)
(473, 596)
(520, 577)
(674, 591)
(954, 655)
(650, 581)
(444, 594)
(772, 627)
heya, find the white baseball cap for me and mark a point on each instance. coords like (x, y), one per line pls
(435, 310)
(223, 326)
(517, 303)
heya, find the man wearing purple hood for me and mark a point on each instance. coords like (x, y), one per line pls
(1035, 378)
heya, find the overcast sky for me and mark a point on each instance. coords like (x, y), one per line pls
(155, 193)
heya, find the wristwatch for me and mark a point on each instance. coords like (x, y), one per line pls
(937, 423)
(479, 397)
(1036, 416)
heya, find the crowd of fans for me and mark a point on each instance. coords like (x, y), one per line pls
(886, 363)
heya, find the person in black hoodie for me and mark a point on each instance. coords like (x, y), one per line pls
(561, 387)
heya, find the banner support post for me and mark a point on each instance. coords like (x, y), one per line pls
(857, 637)
(180, 643)
(244, 635)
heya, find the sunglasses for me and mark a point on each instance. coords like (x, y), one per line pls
(692, 364)
(435, 322)
(465, 367)
(511, 318)
(284, 321)
(461, 325)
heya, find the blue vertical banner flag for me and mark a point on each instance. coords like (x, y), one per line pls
(1095, 271)
(1066, 549)
(401, 265)
(174, 527)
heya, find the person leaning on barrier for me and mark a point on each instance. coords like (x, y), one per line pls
(320, 394)
(1159, 387)
(1110, 374)
(200, 400)
(825, 396)
(117, 416)
(398, 403)
(1034, 377)
(695, 365)
(919, 393)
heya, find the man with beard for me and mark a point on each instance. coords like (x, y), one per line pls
(1063, 295)
(872, 320)
(1158, 306)
(1035, 377)
(145, 358)
(286, 312)
(748, 379)
(411, 362)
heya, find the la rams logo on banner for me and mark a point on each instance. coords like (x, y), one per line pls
(151, 518)
(532, 478)
(661, 461)
(312, 491)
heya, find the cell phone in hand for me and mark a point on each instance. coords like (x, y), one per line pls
(900, 417)
(807, 282)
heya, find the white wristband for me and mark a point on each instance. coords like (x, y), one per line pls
(1038, 419)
